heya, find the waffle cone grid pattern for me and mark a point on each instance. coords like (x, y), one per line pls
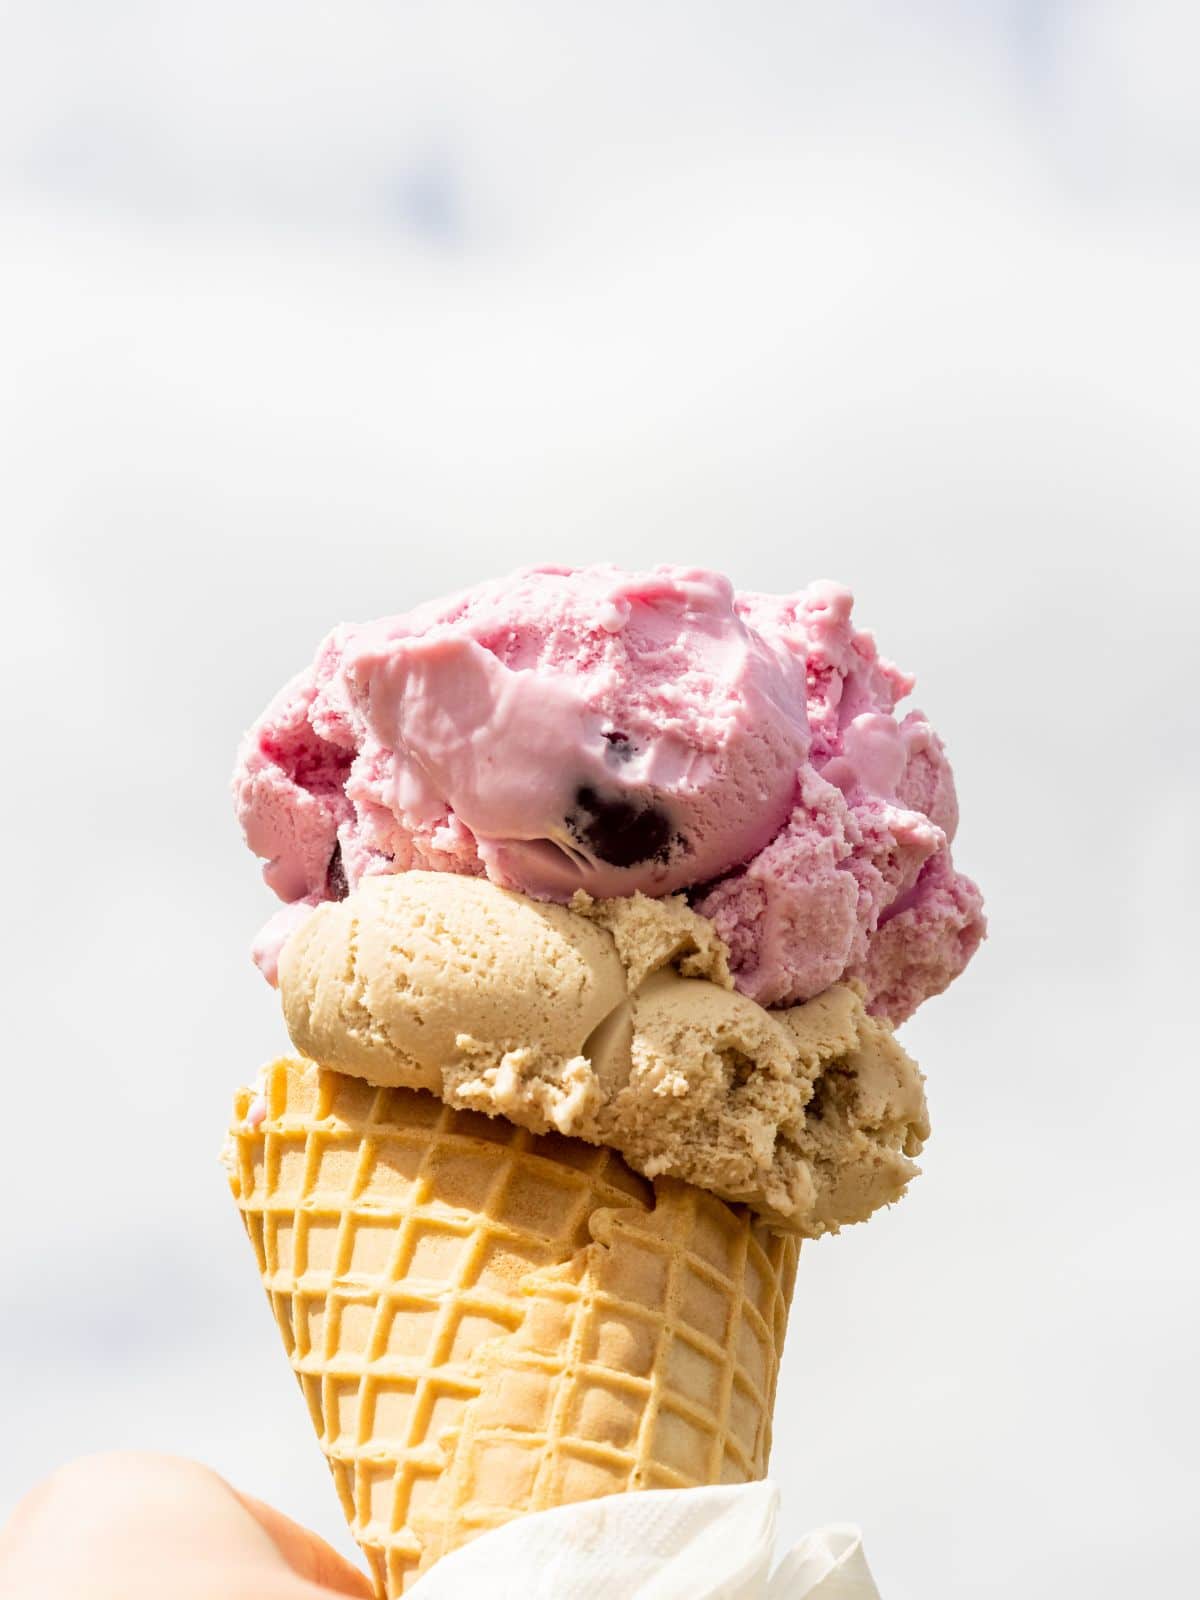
(486, 1322)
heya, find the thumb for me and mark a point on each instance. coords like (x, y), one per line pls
(136, 1527)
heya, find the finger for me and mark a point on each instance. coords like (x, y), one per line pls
(118, 1523)
(134, 1518)
(307, 1554)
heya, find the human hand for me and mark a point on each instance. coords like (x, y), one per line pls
(147, 1527)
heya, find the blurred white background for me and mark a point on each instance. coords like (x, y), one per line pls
(311, 311)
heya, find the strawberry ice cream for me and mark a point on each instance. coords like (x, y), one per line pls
(596, 730)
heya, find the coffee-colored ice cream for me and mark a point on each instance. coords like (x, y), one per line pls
(614, 1021)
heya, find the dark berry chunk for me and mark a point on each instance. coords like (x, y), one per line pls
(620, 831)
(336, 887)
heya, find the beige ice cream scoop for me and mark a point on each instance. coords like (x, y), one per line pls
(615, 1022)
(385, 984)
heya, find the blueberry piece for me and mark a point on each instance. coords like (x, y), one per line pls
(336, 887)
(620, 746)
(619, 831)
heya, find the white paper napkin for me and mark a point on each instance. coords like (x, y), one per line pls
(665, 1544)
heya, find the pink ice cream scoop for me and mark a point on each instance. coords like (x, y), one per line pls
(614, 732)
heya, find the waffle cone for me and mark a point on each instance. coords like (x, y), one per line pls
(485, 1322)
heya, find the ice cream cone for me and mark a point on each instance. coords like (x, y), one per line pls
(486, 1322)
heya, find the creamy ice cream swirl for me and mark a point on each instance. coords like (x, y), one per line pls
(625, 733)
(614, 1021)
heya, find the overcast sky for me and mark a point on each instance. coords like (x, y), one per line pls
(312, 311)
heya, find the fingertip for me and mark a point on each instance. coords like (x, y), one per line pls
(307, 1553)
